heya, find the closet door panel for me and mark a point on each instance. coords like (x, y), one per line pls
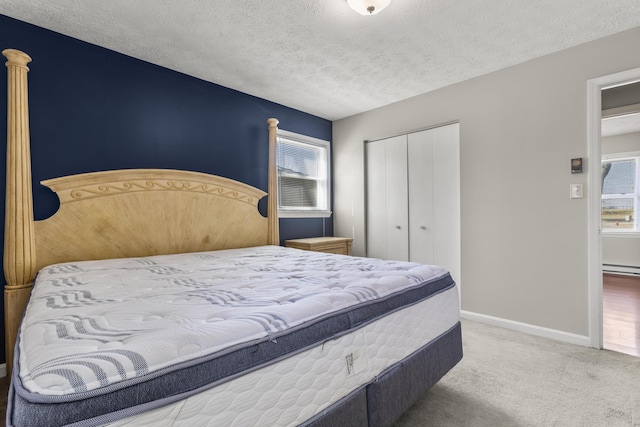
(376, 199)
(397, 199)
(446, 184)
(421, 209)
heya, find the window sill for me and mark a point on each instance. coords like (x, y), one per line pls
(622, 234)
(304, 214)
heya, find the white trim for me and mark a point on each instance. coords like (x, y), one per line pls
(527, 328)
(307, 141)
(594, 243)
(629, 155)
(3, 370)
(621, 111)
(622, 234)
(303, 214)
(627, 270)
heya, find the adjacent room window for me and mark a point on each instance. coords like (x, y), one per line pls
(303, 175)
(621, 193)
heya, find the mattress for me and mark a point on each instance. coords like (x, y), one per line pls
(296, 389)
(102, 341)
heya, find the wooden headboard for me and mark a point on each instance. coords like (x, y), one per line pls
(115, 214)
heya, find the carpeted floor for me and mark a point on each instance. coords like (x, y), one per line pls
(507, 378)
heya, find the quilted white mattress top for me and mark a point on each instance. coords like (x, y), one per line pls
(95, 324)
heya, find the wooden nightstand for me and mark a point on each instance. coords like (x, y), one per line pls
(332, 245)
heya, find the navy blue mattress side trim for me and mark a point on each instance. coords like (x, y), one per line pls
(350, 411)
(187, 380)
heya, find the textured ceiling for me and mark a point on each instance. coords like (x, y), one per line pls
(321, 57)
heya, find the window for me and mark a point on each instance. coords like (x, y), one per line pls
(303, 175)
(620, 193)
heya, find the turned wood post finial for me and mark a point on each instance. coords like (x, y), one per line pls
(272, 205)
(19, 243)
(16, 58)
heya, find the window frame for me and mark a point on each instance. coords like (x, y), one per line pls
(611, 232)
(292, 212)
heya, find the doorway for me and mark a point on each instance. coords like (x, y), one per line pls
(620, 173)
(595, 234)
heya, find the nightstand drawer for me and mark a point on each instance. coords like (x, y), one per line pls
(333, 245)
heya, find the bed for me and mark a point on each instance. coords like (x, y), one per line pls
(203, 319)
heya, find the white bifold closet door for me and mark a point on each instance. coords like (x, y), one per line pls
(413, 198)
(387, 197)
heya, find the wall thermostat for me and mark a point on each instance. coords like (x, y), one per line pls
(576, 165)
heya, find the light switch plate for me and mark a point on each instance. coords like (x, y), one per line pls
(576, 191)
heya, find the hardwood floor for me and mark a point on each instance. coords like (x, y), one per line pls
(621, 313)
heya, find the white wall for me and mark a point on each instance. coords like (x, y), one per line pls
(624, 143)
(621, 250)
(524, 242)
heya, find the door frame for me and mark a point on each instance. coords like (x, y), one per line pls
(594, 236)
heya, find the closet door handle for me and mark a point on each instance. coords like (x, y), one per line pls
(422, 227)
(398, 227)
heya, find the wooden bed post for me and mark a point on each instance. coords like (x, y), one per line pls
(19, 241)
(272, 206)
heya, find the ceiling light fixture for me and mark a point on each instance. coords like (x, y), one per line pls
(368, 7)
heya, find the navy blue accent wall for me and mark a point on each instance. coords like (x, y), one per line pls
(93, 109)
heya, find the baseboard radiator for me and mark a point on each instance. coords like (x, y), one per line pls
(631, 270)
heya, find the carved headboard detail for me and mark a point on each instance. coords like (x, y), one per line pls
(139, 212)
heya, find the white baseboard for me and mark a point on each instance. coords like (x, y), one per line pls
(3, 370)
(527, 328)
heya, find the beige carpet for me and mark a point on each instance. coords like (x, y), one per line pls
(508, 378)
